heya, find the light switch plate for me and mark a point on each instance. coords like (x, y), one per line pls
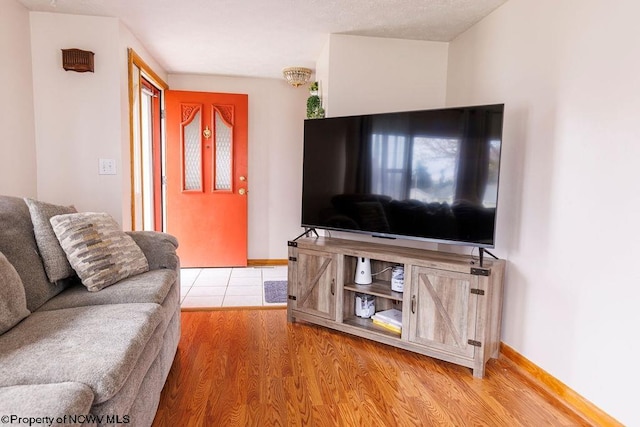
(107, 167)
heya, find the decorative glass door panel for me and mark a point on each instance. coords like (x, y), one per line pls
(192, 147)
(224, 148)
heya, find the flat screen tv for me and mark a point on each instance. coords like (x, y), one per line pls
(429, 175)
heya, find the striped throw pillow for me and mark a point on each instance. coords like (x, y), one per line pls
(97, 249)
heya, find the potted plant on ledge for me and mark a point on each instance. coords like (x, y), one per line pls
(314, 103)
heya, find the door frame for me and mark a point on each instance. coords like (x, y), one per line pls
(137, 70)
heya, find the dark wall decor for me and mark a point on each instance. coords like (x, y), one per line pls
(77, 60)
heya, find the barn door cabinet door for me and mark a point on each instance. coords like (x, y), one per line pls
(312, 279)
(444, 307)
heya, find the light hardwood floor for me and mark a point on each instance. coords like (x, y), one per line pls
(252, 368)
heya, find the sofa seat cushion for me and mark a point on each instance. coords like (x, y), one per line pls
(152, 286)
(54, 401)
(97, 346)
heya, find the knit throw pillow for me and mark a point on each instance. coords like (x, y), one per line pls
(53, 257)
(98, 250)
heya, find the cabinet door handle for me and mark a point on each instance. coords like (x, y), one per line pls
(413, 304)
(333, 286)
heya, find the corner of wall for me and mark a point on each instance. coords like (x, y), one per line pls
(18, 166)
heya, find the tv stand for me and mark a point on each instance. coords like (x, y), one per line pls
(451, 308)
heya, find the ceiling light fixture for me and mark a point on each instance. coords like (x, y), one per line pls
(296, 76)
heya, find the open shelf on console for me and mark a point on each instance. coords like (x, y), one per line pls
(379, 288)
(382, 301)
(369, 325)
(381, 273)
(385, 299)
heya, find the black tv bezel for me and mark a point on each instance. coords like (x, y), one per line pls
(395, 236)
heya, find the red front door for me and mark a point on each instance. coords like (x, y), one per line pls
(207, 177)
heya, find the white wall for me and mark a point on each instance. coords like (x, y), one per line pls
(569, 75)
(374, 75)
(321, 74)
(276, 117)
(17, 134)
(77, 115)
(82, 117)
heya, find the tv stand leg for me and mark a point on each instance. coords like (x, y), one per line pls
(306, 233)
(482, 251)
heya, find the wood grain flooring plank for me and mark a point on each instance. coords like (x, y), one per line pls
(252, 368)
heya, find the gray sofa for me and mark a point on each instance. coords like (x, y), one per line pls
(81, 357)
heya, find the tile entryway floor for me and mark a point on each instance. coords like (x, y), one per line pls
(227, 287)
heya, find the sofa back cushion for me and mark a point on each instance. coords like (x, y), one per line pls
(18, 244)
(55, 260)
(13, 303)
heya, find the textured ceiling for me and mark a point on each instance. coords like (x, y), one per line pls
(260, 37)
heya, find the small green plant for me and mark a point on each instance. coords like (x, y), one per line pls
(314, 103)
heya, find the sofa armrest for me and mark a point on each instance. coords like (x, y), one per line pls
(159, 248)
